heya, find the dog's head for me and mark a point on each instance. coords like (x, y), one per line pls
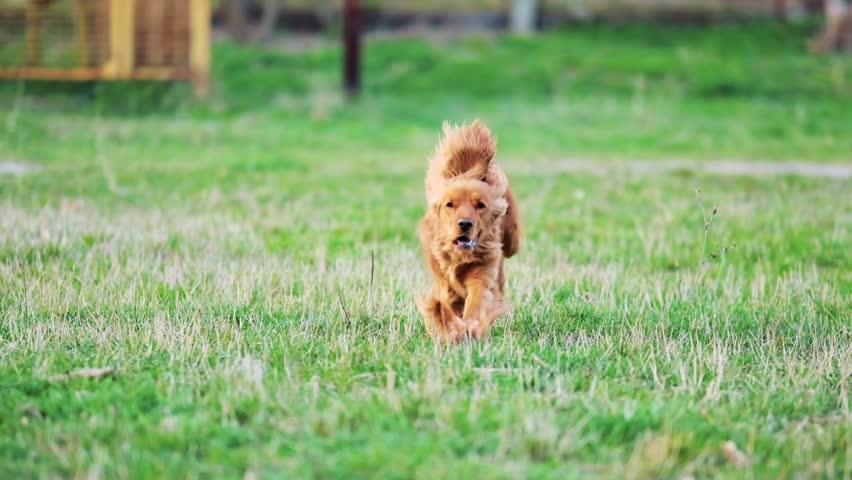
(468, 214)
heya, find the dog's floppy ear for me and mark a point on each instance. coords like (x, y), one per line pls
(499, 206)
(434, 190)
(496, 179)
(511, 226)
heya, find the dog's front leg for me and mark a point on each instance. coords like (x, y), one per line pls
(475, 315)
(441, 320)
(482, 307)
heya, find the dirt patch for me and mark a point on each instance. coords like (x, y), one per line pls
(718, 167)
(10, 167)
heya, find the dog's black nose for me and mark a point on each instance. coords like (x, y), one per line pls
(465, 224)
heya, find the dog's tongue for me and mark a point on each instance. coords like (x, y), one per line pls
(465, 244)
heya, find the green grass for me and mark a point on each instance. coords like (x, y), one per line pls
(250, 266)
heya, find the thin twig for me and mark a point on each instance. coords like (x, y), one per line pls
(343, 307)
(707, 223)
(541, 362)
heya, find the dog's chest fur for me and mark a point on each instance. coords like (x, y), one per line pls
(456, 275)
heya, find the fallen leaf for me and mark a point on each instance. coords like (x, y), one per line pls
(31, 412)
(734, 455)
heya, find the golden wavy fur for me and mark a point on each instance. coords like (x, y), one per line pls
(471, 225)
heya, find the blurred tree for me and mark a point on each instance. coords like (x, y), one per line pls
(788, 9)
(837, 34)
(271, 12)
(523, 16)
(235, 19)
(239, 26)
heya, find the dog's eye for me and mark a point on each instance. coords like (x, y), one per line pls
(480, 205)
(449, 204)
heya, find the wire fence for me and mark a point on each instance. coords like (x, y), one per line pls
(105, 39)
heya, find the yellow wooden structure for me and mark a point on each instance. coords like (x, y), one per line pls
(106, 40)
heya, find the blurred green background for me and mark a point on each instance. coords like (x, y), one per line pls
(248, 264)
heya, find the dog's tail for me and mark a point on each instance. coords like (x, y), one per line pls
(466, 151)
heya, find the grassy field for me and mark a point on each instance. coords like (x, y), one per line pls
(249, 267)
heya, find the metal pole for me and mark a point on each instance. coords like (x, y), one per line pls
(352, 46)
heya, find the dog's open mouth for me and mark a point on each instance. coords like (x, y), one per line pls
(465, 243)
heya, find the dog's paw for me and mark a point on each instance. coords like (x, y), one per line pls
(457, 330)
(468, 331)
(478, 331)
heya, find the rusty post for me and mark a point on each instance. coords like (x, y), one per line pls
(352, 47)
